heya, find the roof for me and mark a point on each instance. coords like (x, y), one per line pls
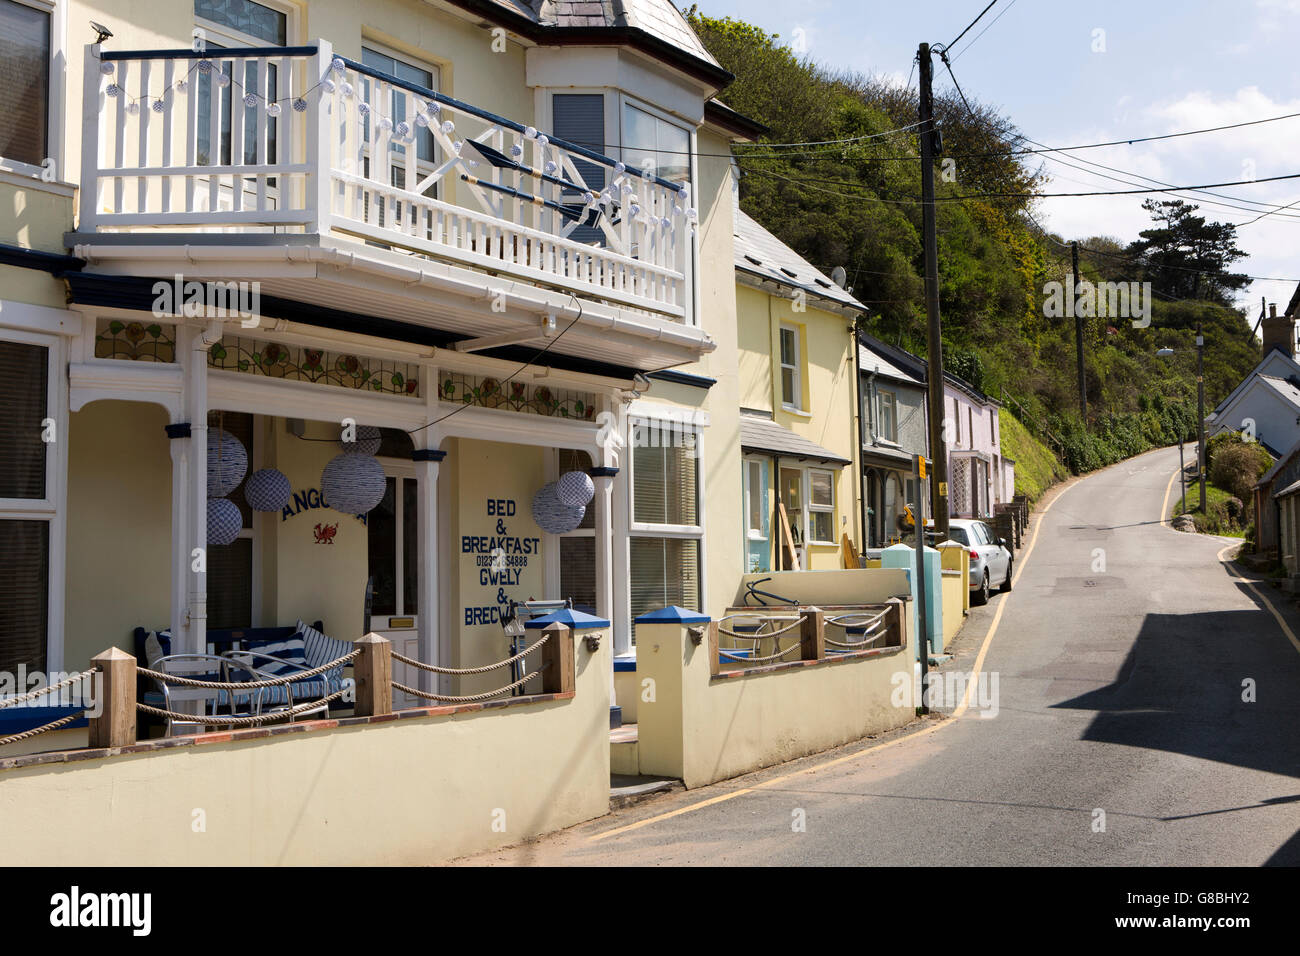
(1278, 466)
(917, 367)
(1274, 357)
(764, 435)
(873, 363)
(1284, 387)
(762, 254)
(655, 25)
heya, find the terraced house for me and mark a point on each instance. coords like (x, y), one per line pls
(415, 319)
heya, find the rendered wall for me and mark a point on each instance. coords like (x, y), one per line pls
(33, 216)
(402, 792)
(702, 729)
(827, 588)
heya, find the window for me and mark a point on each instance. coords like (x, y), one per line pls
(252, 20)
(654, 145)
(791, 387)
(821, 505)
(578, 547)
(396, 107)
(888, 429)
(393, 532)
(758, 516)
(24, 82)
(579, 118)
(664, 549)
(25, 394)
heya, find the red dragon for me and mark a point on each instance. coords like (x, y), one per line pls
(325, 533)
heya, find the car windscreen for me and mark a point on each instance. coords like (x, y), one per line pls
(958, 535)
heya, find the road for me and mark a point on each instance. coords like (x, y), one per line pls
(1121, 736)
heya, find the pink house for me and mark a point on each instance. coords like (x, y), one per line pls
(978, 476)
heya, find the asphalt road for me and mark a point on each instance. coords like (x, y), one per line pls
(1119, 691)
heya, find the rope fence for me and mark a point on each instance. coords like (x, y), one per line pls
(870, 625)
(52, 725)
(472, 698)
(13, 701)
(228, 720)
(760, 633)
(464, 671)
(293, 678)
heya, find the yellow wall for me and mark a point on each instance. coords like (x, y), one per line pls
(407, 792)
(119, 527)
(828, 398)
(701, 730)
(33, 216)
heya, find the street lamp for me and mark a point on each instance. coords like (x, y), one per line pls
(1200, 409)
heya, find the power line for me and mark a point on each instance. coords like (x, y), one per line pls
(972, 23)
(986, 29)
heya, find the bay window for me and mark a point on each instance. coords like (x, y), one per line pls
(25, 38)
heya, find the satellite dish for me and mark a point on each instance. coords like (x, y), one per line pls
(838, 276)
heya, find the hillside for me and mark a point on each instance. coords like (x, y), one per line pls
(851, 199)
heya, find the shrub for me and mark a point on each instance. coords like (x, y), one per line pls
(1236, 466)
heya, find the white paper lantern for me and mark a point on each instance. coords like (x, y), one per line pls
(267, 490)
(575, 488)
(224, 521)
(368, 440)
(227, 463)
(353, 484)
(552, 515)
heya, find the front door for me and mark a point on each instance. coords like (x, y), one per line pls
(393, 531)
(792, 497)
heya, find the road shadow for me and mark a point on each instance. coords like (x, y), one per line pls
(1181, 689)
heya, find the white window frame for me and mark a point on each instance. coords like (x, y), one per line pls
(423, 167)
(797, 377)
(52, 509)
(399, 470)
(648, 530)
(223, 33)
(54, 108)
(887, 398)
(822, 509)
(624, 101)
(751, 535)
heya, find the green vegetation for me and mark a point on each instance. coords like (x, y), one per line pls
(1037, 469)
(1225, 514)
(855, 203)
(1236, 465)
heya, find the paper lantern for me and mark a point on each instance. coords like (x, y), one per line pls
(267, 490)
(552, 515)
(353, 484)
(367, 441)
(224, 521)
(575, 488)
(227, 463)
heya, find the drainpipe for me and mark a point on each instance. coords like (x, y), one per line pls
(776, 513)
(857, 410)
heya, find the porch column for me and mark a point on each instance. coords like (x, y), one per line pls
(603, 478)
(197, 342)
(181, 447)
(426, 479)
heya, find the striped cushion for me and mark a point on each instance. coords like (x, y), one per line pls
(157, 644)
(290, 651)
(321, 650)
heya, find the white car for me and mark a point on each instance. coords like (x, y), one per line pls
(990, 560)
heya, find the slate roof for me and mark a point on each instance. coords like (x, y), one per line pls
(764, 435)
(760, 253)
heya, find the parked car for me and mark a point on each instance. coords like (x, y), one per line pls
(990, 559)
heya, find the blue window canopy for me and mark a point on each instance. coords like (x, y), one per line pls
(673, 614)
(578, 620)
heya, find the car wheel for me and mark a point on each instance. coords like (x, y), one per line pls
(1006, 585)
(980, 596)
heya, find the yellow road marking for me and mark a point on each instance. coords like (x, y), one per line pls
(1277, 616)
(1164, 505)
(924, 732)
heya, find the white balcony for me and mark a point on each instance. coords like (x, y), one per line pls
(285, 140)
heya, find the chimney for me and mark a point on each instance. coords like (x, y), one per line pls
(1278, 333)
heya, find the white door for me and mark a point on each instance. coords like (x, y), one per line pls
(393, 532)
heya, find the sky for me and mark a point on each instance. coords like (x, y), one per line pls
(1068, 73)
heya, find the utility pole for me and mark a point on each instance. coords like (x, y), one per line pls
(922, 611)
(1200, 407)
(934, 340)
(1078, 333)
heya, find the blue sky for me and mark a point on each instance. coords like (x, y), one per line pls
(1071, 72)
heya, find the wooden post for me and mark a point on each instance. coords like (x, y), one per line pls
(115, 724)
(812, 634)
(558, 675)
(895, 623)
(373, 671)
(715, 662)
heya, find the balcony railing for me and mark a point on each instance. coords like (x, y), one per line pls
(296, 139)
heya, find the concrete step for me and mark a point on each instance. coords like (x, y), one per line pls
(626, 789)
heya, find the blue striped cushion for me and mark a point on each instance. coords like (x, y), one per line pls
(290, 651)
(321, 650)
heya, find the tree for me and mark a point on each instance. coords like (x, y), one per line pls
(1186, 256)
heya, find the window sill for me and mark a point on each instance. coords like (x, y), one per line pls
(791, 410)
(29, 177)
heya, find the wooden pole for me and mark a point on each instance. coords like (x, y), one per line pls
(558, 675)
(373, 671)
(812, 635)
(114, 726)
